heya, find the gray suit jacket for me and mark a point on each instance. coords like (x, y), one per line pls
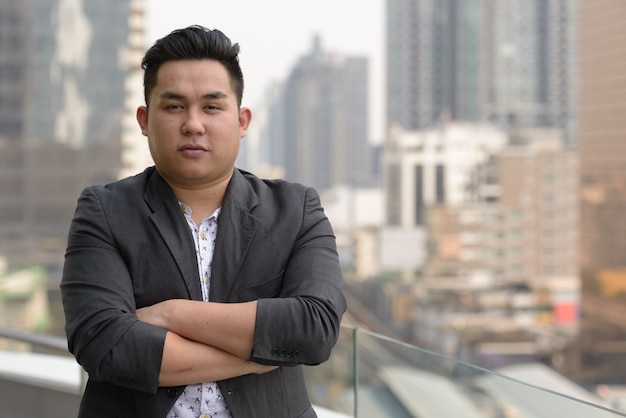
(129, 246)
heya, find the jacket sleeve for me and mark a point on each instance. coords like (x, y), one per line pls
(103, 331)
(302, 324)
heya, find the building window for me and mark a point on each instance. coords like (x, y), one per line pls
(393, 200)
(419, 195)
(440, 187)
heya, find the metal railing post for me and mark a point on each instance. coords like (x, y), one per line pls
(355, 366)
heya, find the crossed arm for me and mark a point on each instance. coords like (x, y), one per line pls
(192, 353)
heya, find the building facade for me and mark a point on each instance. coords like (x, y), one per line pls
(508, 62)
(423, 168)
(519, 224)
(599, 355)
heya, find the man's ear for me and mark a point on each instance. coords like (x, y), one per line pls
(245, 116)
(142, 119)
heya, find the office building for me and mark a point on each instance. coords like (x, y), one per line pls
(503, 61)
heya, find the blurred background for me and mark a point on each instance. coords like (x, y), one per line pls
(471, 155)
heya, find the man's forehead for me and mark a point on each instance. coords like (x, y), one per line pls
(193, 71)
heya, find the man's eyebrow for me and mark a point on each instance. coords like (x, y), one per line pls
(172, 95)
(215, 95)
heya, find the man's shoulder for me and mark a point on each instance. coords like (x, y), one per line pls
(273, 197)
(128, 187)
(130, 182)
(264, 185)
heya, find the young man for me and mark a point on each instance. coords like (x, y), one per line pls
(195, 289)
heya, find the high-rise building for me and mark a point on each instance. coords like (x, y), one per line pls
(503, 61)
(326, 135)
(600, 353)
(65, 104)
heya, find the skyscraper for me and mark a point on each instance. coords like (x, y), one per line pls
(326, 120)
(505, 61)
(64, 69)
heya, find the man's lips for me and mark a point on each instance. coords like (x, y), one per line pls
(192, 150)
(192, 147)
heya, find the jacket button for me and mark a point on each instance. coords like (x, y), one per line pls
(172, 392)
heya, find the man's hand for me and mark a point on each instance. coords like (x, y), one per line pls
(156, 314)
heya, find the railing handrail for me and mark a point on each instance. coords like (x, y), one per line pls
(42, 340)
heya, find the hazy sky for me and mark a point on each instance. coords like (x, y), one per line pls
(274, 34)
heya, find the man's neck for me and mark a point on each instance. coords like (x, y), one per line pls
(203, 201)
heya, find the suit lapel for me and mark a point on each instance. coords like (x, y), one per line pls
(236, 228)
(171, 224)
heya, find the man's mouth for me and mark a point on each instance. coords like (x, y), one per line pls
(192, 150)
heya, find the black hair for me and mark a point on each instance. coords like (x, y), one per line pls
(193, 43)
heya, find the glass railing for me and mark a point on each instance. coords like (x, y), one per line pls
(372, 376)
(367, 376)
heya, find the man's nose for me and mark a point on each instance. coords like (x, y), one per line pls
(193, 123)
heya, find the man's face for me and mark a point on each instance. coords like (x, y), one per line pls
(193, 123)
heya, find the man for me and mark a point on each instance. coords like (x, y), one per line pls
(195, 289)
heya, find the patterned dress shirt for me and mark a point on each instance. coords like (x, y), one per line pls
(202, 400)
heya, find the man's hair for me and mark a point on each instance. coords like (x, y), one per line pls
(193, 43)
